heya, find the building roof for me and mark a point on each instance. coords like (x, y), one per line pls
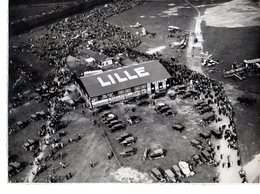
(95, 55)
(123, 78)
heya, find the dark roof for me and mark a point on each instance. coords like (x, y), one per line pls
(94, 88)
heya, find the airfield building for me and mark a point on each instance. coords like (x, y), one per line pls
(123, 83)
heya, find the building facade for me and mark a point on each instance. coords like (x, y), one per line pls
(123, 83)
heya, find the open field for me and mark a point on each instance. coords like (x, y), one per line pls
(154, 131)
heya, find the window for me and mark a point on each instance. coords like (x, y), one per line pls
(104, 96)
(137, 88)
(160, 85)
(121, 92)
(127, 91)
(143, 86)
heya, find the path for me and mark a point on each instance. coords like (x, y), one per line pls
(194, 49)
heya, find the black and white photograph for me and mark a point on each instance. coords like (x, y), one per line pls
(133, 91)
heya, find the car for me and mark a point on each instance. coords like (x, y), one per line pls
(134, 119)
(196, 143)
(164, 109)
(205, 154)
(112, 123)
(156, 154)
(159, 106)
(41, 114)
(170, 176)
(204, 135)
(168, 112)
(143, 103)
(205, 110)
(128, 141)
(143, 96)
(178, 127)
(186, 95)
(17, 166)
(157, 174)
(209, 117)
(122, 137)
(185, 169)
(216, 133)
(34, 117)
(172, 95)
(158, 95)
(128, 152)
(107, 120)
(198, 103)
(197, 159)
(22, 124)
(116, 127)
(177, 171)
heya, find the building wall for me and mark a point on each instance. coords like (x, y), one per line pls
(128, 93)
(107, 62)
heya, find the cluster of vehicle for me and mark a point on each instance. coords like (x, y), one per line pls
(127, 139)
(202, 107)
(112, 122)
(14, 167)
(163, 109)
(173, 174)
(31, 145)
(183, 92)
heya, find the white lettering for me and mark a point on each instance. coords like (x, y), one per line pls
(130, 77)
(111, 79)
(141, 72)
(102, 82)
(119, 78)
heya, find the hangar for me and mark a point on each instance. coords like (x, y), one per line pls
(119, 84)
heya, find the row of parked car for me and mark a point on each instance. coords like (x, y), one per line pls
(173, 174)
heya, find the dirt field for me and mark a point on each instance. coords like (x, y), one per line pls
(155, 131)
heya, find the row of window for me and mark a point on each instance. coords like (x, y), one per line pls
(121, 92)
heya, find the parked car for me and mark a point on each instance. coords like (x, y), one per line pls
(128, 141)
(22, 124)
(197, 144)
(134, 119)
(143, 103)
(185, 169)
(205, 135)
(170, 176)
(112, 123)
(206, 155)
(158, 95)
(128, 152)
(177, 171)
(172, 95)
(156, 154)
(122, 137)
(158, 174)
(216, 133)
(34, 117)
(178, 127)
(116, 127)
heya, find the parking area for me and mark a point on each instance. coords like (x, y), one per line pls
(155, 132)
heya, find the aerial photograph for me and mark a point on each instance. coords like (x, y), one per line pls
(133, 91)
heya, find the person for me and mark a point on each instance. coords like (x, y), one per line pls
(53, 170)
